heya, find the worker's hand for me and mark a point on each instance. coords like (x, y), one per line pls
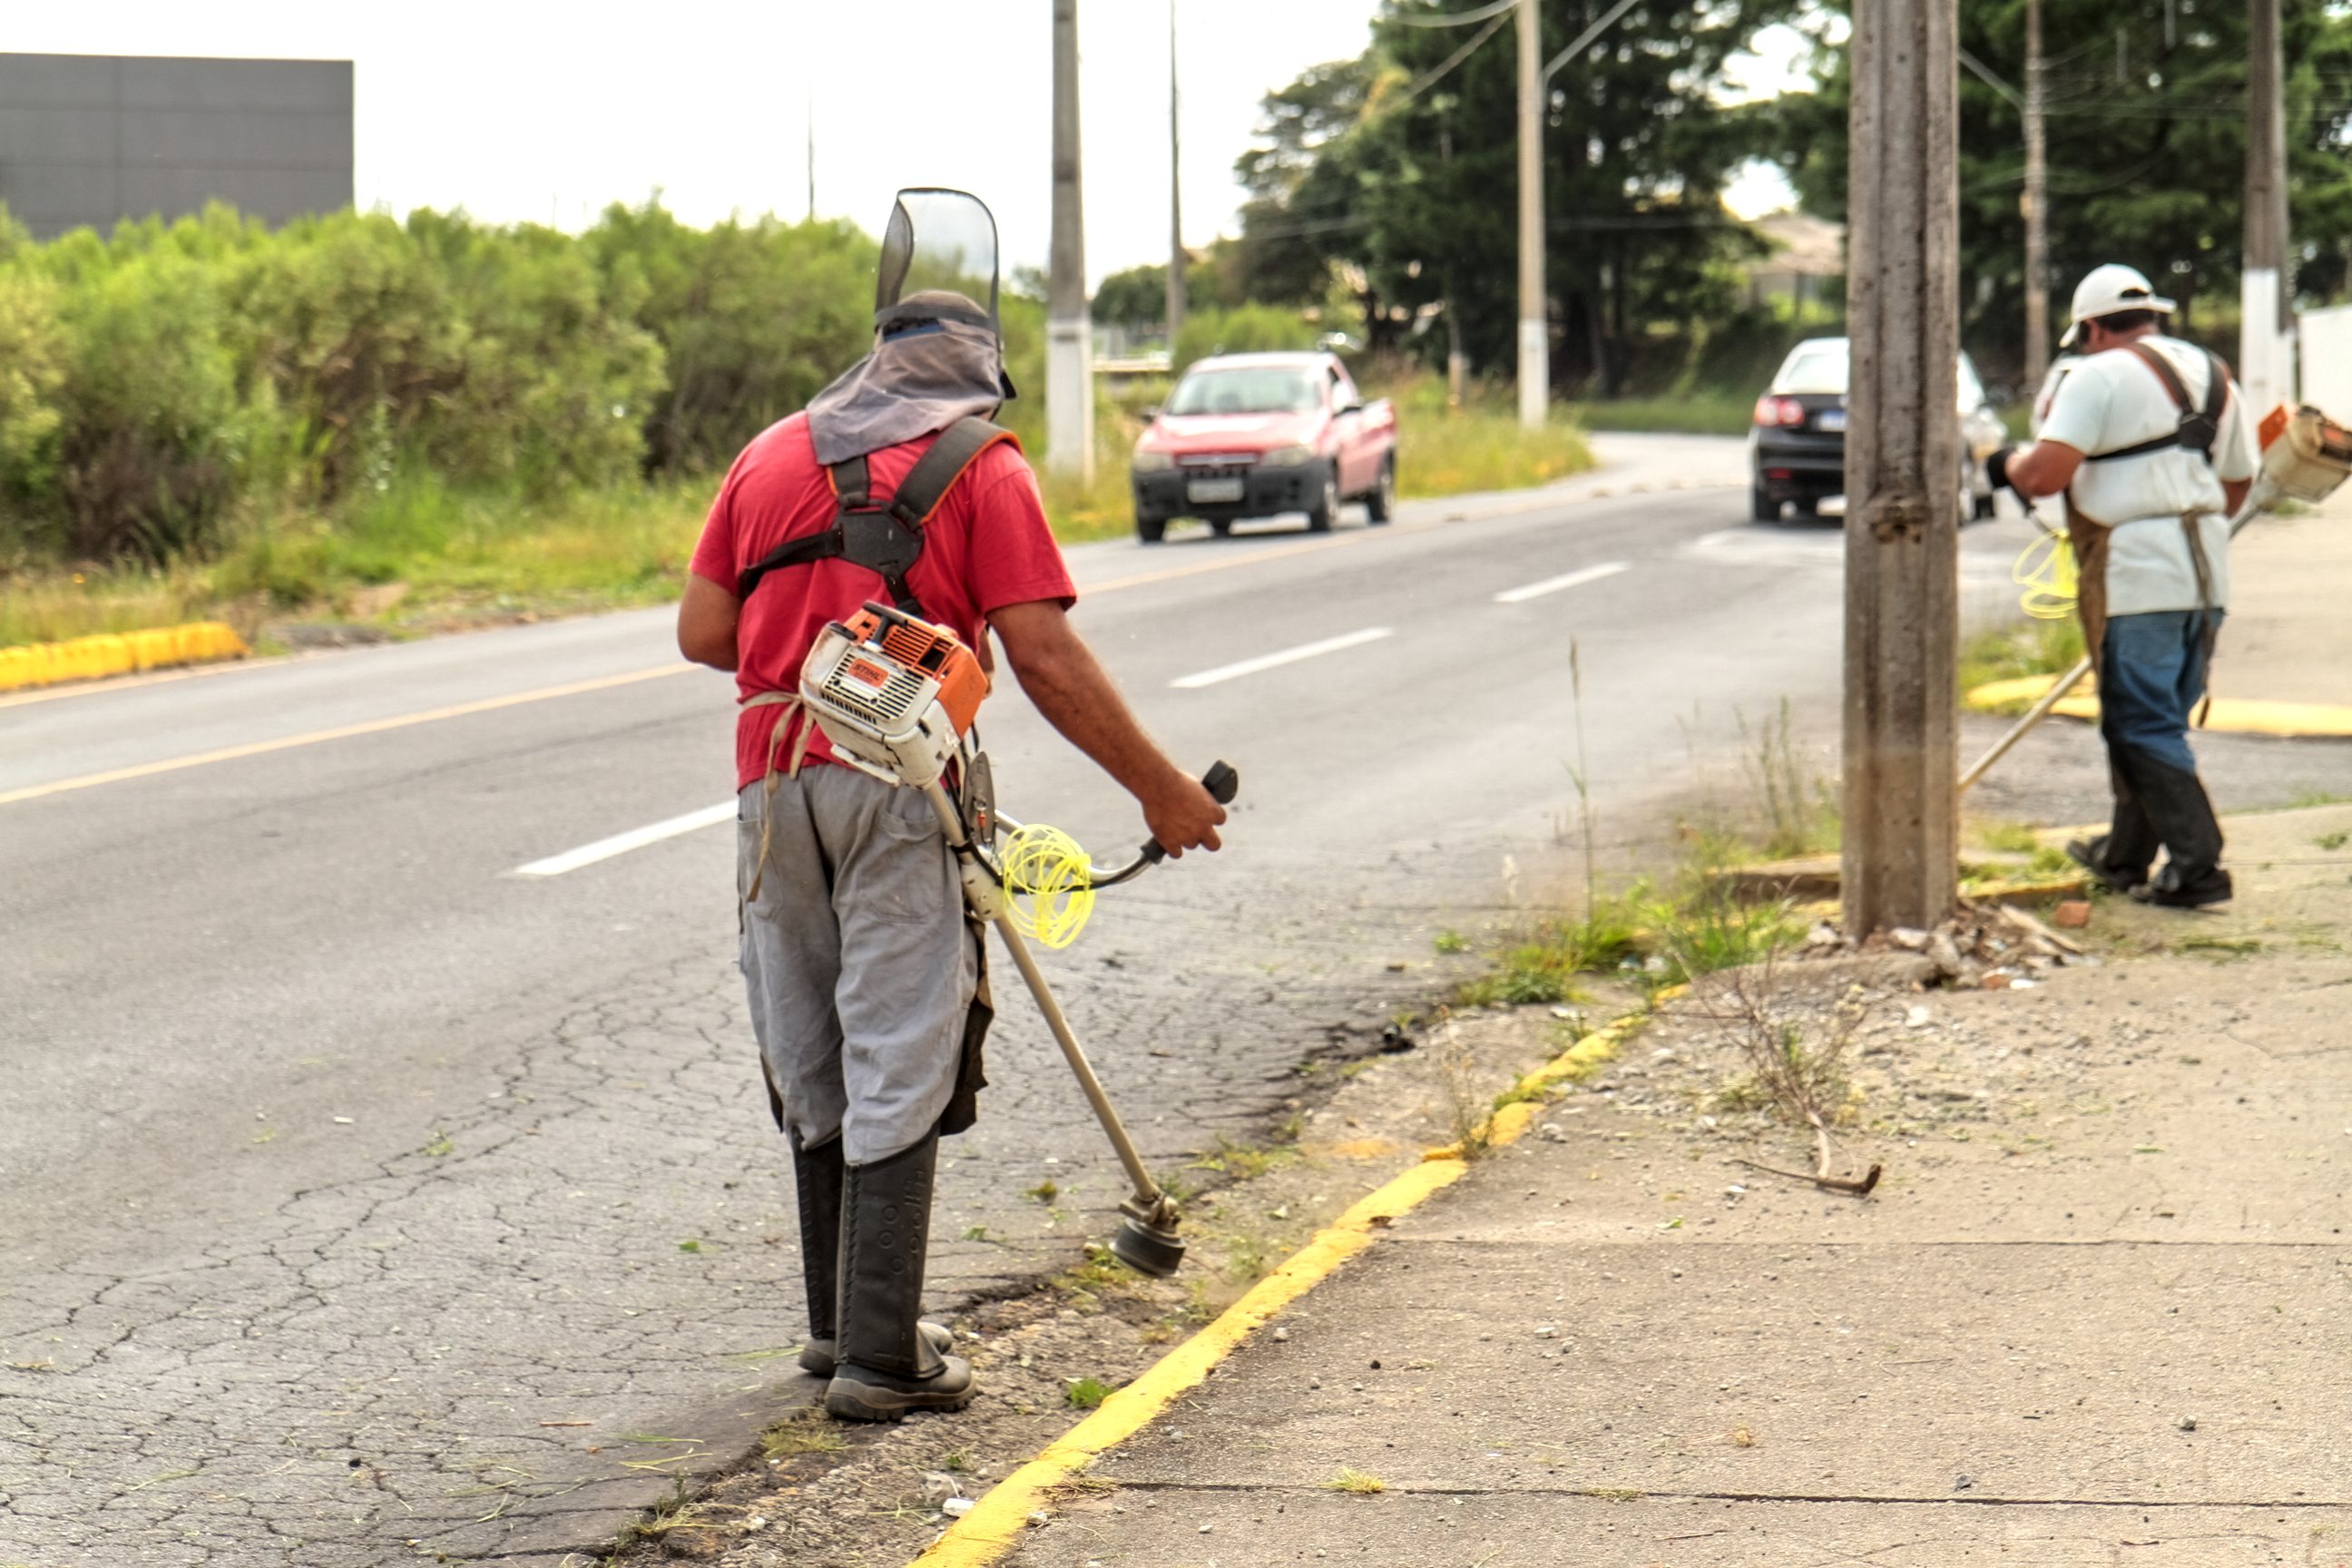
(1182, 815)
(1997, 467)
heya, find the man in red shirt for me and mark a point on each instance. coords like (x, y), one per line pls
(861, 967)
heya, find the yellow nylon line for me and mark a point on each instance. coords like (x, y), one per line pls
(341, 732)
(995, 1525)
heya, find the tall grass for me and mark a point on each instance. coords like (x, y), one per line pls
(2022, 648)
(1698, 413)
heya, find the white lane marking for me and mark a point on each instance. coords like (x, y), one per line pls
(1565, 580)
(1275, 660)
(622, 843)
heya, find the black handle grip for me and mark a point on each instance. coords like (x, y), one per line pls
(1223, 783)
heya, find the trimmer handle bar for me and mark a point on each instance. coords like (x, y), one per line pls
(1221, 780)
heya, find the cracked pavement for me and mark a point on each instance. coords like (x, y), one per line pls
(356, 1194)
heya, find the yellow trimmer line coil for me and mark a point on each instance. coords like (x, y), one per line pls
(1050, 884)
(2045, 570)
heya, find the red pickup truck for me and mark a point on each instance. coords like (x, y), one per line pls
(1253, 435)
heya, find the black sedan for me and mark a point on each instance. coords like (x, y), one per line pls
(1796, 444)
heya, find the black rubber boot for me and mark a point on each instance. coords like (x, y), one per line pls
(2120, 856)
(887, 1365)
(2182, 815)
(817, 1180)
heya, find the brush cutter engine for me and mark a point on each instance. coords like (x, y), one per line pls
(897, 696)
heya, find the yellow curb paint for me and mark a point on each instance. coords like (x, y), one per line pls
(117, 653)
(2228, 715)
(341, 732)
(995, 1525)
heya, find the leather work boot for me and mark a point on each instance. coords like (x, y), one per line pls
(817, 1181)
(886, 1365)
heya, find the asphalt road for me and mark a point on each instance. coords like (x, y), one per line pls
(358, 1192)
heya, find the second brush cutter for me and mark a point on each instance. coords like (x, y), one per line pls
(897, 697)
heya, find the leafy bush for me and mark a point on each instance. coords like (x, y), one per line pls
(1246, 329)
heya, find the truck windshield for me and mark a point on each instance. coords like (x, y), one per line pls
(1254, 389)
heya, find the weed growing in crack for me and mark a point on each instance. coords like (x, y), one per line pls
(1355, 1481)
(1465, 1106)
(1086, 1392)
(805, 1432)
(1796, 1063)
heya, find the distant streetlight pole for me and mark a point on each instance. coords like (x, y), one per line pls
(1535, 332)
(1535, 357)
(2265, 353)
(1069, 333)
(2037, 207)
(1176, 260)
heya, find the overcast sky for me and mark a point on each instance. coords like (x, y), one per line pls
(531, 111)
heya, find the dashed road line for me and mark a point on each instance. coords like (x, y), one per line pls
(1265, 661)
(622, 843)
(1577, 579)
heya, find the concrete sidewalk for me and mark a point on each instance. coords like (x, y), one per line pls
(2095, 1313)
(2288, 639)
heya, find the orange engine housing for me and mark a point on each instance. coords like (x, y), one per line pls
(935, 651)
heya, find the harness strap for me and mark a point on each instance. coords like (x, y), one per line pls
(791, 710)
(886, 540)
(2197, 428)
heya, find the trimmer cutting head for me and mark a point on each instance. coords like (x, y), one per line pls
(1147, 1249)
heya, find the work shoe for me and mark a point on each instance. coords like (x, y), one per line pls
(2092, 858)
(885, 1365)
(2172, 890)
(816, 1356)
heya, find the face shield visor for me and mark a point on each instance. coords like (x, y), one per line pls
(937, 241)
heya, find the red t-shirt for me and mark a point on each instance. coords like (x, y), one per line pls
(987, 546)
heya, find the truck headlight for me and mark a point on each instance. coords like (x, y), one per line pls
(1148, 462)
(1288, 457)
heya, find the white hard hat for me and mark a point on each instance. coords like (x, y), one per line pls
(2104, 291)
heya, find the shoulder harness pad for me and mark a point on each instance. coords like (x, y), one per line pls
(2199, 427)
(885, 539)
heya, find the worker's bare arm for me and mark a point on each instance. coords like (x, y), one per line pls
(1068, 685)
(705, 623)
(2234, 493)
(2044, 468)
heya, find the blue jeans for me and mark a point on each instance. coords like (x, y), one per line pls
(2150, 681)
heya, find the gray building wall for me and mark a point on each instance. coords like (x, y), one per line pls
(91, 139)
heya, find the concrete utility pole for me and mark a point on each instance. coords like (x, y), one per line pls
(2037, 209)
(2265, 352)
(1903, 469)
(1069, 331)
(1176, 262)
(1534, 353)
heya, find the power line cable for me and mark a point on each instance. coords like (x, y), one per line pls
(1432, 78)
(1449, 18)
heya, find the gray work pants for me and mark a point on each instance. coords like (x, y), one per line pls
(857, 956)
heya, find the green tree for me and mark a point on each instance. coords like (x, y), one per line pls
(1403, 170)
(2146, 151)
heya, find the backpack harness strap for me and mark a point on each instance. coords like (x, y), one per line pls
(2198, 428)
(887, 540)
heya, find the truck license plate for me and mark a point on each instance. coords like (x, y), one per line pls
(1207, 492)
(1833, 419)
